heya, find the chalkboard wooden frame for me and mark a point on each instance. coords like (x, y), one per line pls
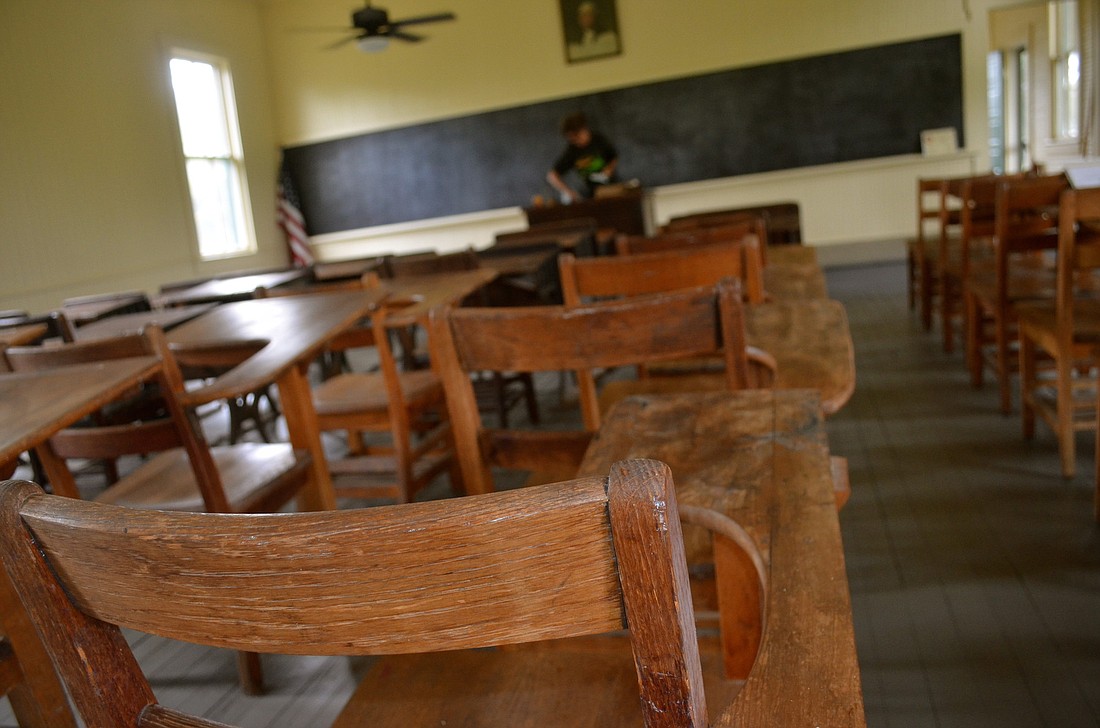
(860, 104)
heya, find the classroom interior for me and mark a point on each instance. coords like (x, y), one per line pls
(972, 564)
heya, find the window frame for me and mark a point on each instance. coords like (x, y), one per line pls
(239, 209)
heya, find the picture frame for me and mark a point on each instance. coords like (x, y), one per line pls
(590, 30)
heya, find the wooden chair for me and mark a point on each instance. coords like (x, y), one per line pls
(783, 220)
(965, 247)
(923, 249)
(408, 406)
(583, 557)
(1067, 329)
(184, 473)
(703, 265)
(1025, 225)
(680, 324)
(747, 234)
(27, 676)
(622, 276)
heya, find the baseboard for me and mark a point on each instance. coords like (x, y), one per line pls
(871, 251)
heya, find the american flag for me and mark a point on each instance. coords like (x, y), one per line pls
(291, 221)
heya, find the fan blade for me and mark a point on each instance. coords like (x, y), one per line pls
(342, 42)
(439, 17)
(401, 35)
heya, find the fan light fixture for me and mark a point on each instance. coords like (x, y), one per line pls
(372, 43)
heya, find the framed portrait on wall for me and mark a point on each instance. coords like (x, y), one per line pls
(590, 28)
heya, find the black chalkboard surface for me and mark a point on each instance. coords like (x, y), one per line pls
(839, 107)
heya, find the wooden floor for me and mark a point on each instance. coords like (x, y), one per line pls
(974, 567)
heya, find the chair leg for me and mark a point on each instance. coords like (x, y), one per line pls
(1067, 447)
(1004, 370)
(974, 340)
(251, 673)
(946, 312)
(926, 292)
(530, 399)
(1028, 382)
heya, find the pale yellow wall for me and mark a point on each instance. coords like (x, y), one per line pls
(500, 54)
(93, 198)
(92, 195)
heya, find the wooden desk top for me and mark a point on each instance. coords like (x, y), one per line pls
(35, 405)
(760, 457)
(85, 311)
(337, 270)
(812, 344)
(791, 255)
(290, 329)
(225, 290)
(20, 335)
(133, 323)
(793, 281)
(430, 291)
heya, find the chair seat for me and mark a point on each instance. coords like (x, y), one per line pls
(1040, 316)
(1023, 284)
(583, 682)
(252, 473)
(364, 392)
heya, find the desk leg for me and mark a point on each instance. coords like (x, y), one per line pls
(305, 434)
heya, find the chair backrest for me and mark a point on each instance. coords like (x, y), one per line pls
(675, 325)
(782, 220)
(1078, 253)
(749, 234)
(632, 275)
(582, 557)
(1025, 222)
(580, 230)
(105, 436)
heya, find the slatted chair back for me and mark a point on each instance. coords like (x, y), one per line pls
(1078, 255)
(749, 234)
(587, 279)
(676, 325)
(581, 557)
(1026, 222)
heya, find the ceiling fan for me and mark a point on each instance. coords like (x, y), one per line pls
(371, 28)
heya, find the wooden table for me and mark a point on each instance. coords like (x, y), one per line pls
(225, 290)
(133, 323)
(793, 281)
(286, 334)
(20, 335)
(339, 270)
(812, 344)
(93, 308)
(423, 293)
(760, 458)
(34, 406)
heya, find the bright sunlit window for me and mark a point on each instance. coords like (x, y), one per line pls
(212, 152)
(1065, 57)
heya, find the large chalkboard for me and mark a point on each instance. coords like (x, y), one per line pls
(860, 104)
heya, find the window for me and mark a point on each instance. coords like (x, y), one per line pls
(212, 153)
(1065, 58)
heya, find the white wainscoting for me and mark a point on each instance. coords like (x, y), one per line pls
(853, 205)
